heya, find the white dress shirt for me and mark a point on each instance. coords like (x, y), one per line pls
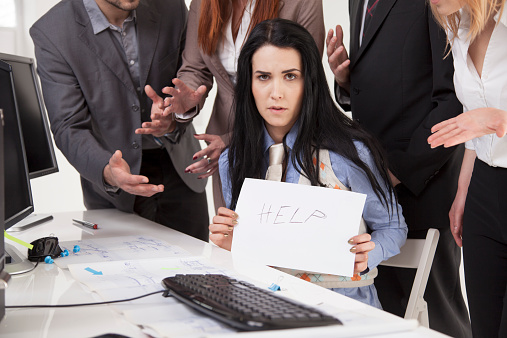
(228, 50)
(490, 90)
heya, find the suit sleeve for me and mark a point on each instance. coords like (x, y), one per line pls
(311, 17)
(193, 71)
(418, 164)
(71, 122)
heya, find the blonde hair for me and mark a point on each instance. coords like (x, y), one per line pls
(479, 12)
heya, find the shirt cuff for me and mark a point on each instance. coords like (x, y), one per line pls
(189, 114)
(342, 97)
(174, 135)
(111, 190)
(470, 145)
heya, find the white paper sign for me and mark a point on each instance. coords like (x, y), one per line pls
(297, 226)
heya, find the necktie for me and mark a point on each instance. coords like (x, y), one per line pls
(275, 169)
(370, 10)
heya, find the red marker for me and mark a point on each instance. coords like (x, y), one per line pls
(86, 224)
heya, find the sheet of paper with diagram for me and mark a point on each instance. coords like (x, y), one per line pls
(297, 226)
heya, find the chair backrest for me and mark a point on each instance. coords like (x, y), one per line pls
(418, 254)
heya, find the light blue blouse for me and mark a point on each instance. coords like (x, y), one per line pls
(389, 232)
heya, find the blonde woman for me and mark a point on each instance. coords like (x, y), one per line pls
(477, 33)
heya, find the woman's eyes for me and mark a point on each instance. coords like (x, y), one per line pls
(288, 76)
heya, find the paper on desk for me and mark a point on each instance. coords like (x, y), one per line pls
(117, 248)
(297, 226)
(164, 317)
(120, 276)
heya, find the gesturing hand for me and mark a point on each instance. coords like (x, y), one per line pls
(182, 99)
(117, 173)
(160, 124)
(338, 58)
(469, 125)
(209, 164)
(222, 228)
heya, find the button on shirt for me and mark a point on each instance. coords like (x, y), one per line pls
(490, 90)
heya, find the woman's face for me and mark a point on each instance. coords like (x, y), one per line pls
(446, 7)
(277, 87)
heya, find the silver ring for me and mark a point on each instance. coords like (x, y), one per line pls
(209, 160)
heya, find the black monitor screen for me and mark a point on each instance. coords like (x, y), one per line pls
(17, 194)
(40, 154)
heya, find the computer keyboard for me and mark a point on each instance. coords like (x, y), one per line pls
(242, 305)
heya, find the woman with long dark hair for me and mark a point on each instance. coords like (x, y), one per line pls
(216, 31)
(283, 101)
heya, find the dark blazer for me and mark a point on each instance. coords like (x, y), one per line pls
(401, 86)
(92, 103)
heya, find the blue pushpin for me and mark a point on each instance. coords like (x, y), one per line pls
(48, 260)
(66, 252)
(274, 287)
(76, 248)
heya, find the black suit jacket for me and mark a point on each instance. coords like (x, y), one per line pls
(92, 102)
(401, 86)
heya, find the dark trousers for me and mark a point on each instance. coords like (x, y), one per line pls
(447, 311)
(178, 207)
(485, 250)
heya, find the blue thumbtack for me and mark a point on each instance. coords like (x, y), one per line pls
(274, 287)
(48, 260)
(76, 248)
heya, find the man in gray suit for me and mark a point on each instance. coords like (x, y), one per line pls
(94, 59)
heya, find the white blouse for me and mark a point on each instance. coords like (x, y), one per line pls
(490, 90)
(228, 50)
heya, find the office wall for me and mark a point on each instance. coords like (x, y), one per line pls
(62, 191)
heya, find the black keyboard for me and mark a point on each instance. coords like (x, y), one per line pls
(243, 305)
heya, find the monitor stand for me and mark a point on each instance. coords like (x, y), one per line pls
(14, 261)
(29, 222)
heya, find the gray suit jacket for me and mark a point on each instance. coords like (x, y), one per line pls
(92, 103)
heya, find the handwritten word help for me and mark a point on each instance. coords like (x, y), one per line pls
(286, 214)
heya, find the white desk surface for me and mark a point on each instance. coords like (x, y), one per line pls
(49, 284)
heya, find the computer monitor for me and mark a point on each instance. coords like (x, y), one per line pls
(17, 197)
(39, 150)
(40, 153)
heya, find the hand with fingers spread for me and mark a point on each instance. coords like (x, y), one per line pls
(469, 125)
(338, 58)
(183, 98)
(362, 245)
(209, 164)
(222, 228)
(117, 173)
(160, 124)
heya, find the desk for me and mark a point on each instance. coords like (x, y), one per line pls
(49, 284)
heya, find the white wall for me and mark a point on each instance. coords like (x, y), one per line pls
(62, 191)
